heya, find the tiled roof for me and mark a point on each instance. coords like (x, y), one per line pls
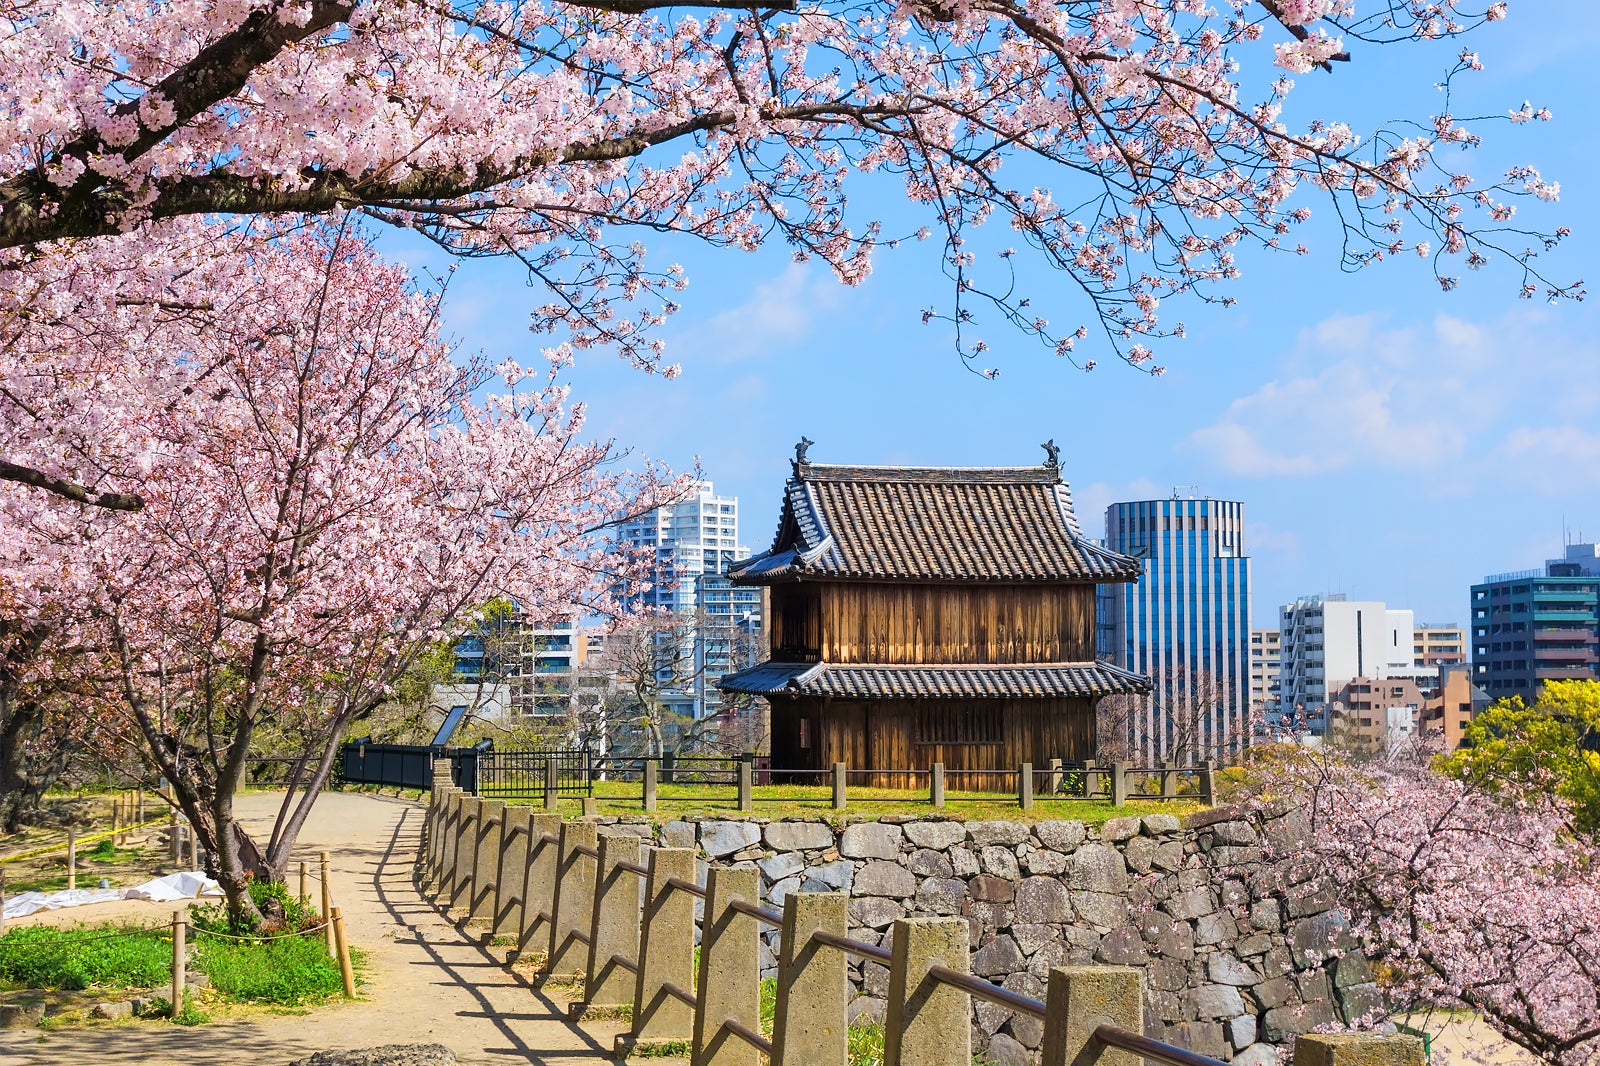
(878, 523)
(890, 681)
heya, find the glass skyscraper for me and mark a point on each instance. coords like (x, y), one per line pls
(1185, 623)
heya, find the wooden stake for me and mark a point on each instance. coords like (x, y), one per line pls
(180, 929)
(305, 897)
(343, 946)
(327, 906)
(72, 859)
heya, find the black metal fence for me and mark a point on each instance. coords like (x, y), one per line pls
(362, 762)
(521, 774)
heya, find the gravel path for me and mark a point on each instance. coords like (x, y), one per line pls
(427, 981)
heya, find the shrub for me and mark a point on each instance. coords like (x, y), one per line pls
(45, 957)
(271, 898)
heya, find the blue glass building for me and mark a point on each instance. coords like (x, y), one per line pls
(1185, 623)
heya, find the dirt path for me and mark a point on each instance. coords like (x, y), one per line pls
(427, 982)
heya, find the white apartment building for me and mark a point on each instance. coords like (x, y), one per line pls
(1330, 641)
(1266, 668)
(692, 539)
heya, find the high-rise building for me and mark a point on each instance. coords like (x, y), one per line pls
(1377, 714)
(729, 636)
(1535, 626)
(1185, 623)
(1439, 645)
(1266, 664)
(508, 665)
(1327, 642)
(693, 539)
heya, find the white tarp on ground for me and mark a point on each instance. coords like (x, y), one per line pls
(166, 889)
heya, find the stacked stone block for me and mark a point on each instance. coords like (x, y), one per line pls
(1242, 948)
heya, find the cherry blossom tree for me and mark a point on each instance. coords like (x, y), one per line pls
(329, 494)
(1467, 898)
(1136, 146)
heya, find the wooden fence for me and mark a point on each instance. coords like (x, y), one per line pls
(573, 897)
(1113, 782)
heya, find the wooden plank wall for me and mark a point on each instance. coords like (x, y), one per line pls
(871, 623)
(882, 734)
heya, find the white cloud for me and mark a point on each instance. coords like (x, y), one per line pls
(1558, 459)
(780, 314)
(1355, 395)
(1091, 501)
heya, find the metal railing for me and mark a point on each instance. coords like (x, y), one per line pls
(572, 900)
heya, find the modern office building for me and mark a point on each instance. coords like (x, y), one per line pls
(1535, 626)
(729, 636)
(1329, 641)
(1439, 645)
(692, 540)
(1266, 666)
(1185, 623)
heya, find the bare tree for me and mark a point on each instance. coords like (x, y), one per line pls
(1189, 715)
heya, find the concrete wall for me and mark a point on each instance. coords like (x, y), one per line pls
(1241, 947)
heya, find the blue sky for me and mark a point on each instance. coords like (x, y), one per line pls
(1389, 441)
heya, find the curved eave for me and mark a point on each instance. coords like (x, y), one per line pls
(1086, 680)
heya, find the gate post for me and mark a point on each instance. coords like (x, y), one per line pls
(569, 932)
(810, 1022)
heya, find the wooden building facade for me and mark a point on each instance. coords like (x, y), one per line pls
(931, 614)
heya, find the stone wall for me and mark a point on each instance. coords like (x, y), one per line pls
(1242, 948)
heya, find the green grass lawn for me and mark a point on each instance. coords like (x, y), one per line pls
(816, 801)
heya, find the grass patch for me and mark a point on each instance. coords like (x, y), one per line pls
(65, 959)
(816, 801)
(285, 971)
(191, 1014)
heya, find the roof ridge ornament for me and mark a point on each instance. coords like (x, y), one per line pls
(1052, 454)
(800, 450)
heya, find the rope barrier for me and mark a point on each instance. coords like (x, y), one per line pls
(84, 840)
(316, 930)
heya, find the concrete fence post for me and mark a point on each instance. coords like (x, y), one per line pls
(455, 848)
(1208, 782)
(1119, 784)
(746, 768)
(539, 884)
(615, 927)
(574, 903)
(1091, 779)
(552, 785)
(936, 784)
(1025, 786)
(1357, 1049)
(651, 771)
(430, 835)
(927, 1023)
(1079, 999)
(485, 860)
(1169, 779)
(730, 970)
(462, 891)
(666, 953)
(511, 869)
(729, 988)
(838, 786)
(449, 823)
(810, 1022)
